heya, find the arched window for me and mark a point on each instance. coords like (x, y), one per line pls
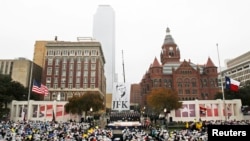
(204, 82)
(155, 83)
(186, 82)
(179, 82)
(194, 83)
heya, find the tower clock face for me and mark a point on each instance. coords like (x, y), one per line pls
(171, 51)
(171, 48)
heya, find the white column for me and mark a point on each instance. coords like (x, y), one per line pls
(197, 109)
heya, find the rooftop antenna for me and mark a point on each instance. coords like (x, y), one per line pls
(123, 68)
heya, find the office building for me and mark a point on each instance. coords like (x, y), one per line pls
(238, 69)
(6, 66)
(104, 32)
(20, 70)
(71, 67)
(135, 94)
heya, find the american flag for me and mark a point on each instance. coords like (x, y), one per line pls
(39, 88)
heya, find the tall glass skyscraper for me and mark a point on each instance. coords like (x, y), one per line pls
(104, 32)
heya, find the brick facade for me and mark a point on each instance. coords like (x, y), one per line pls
(191, 81)
(71, 68)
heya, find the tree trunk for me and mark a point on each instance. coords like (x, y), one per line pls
(5, 105)
(85, 114)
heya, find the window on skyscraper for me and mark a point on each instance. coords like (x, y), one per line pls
(50, 61)
(49, 70)
(79, 53)
(93, 60)
(57, 63)
(93, 66)
(50, 52)
(72, 53)
(86, 52)
(57, 53)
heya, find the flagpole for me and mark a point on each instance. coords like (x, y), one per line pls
(222, 87)
(30, 87)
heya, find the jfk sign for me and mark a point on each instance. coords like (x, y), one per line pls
(121, 96)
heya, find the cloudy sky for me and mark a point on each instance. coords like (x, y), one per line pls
(196, 26)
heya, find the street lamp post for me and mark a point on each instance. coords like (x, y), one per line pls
(91, 110)
(145, 112)
(90, 115)
(166, 117)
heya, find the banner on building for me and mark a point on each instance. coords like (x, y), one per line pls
(121, 96)
(187, 110)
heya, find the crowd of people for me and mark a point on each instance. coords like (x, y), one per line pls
(125, 116)
(84, 131)
(192, 131)
(52, 131)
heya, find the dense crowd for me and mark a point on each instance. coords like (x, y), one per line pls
(193, 131)
(125, 116)
(83, 131)
(52, 131)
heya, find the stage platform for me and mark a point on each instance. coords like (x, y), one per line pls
(120, 125)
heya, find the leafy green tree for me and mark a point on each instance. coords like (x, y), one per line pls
(10, 90)
(245, 93)
(5, 85)
(80, 104)
(73, 105)
(161, 98)
(17, 90)
(228, 95)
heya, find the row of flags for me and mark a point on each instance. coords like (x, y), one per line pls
(232, 85)
(39, 88)
(206, 110)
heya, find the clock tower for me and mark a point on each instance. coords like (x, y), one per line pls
(170, 51)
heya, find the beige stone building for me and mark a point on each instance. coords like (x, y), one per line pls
(40, 52)
(108, 101)
(6, 66)
(238, 68)
(20, 70)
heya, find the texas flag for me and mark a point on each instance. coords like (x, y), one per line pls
(232, 84)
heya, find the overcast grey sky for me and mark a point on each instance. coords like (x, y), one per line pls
(196, 26)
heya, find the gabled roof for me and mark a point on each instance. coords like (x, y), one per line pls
(210, 63)
(156, 63)
(167, 68)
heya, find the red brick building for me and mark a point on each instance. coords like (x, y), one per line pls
(135, 97)
(190, 80)
(71, 68)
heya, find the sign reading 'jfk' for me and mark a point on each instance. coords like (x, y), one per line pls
(121, 97)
